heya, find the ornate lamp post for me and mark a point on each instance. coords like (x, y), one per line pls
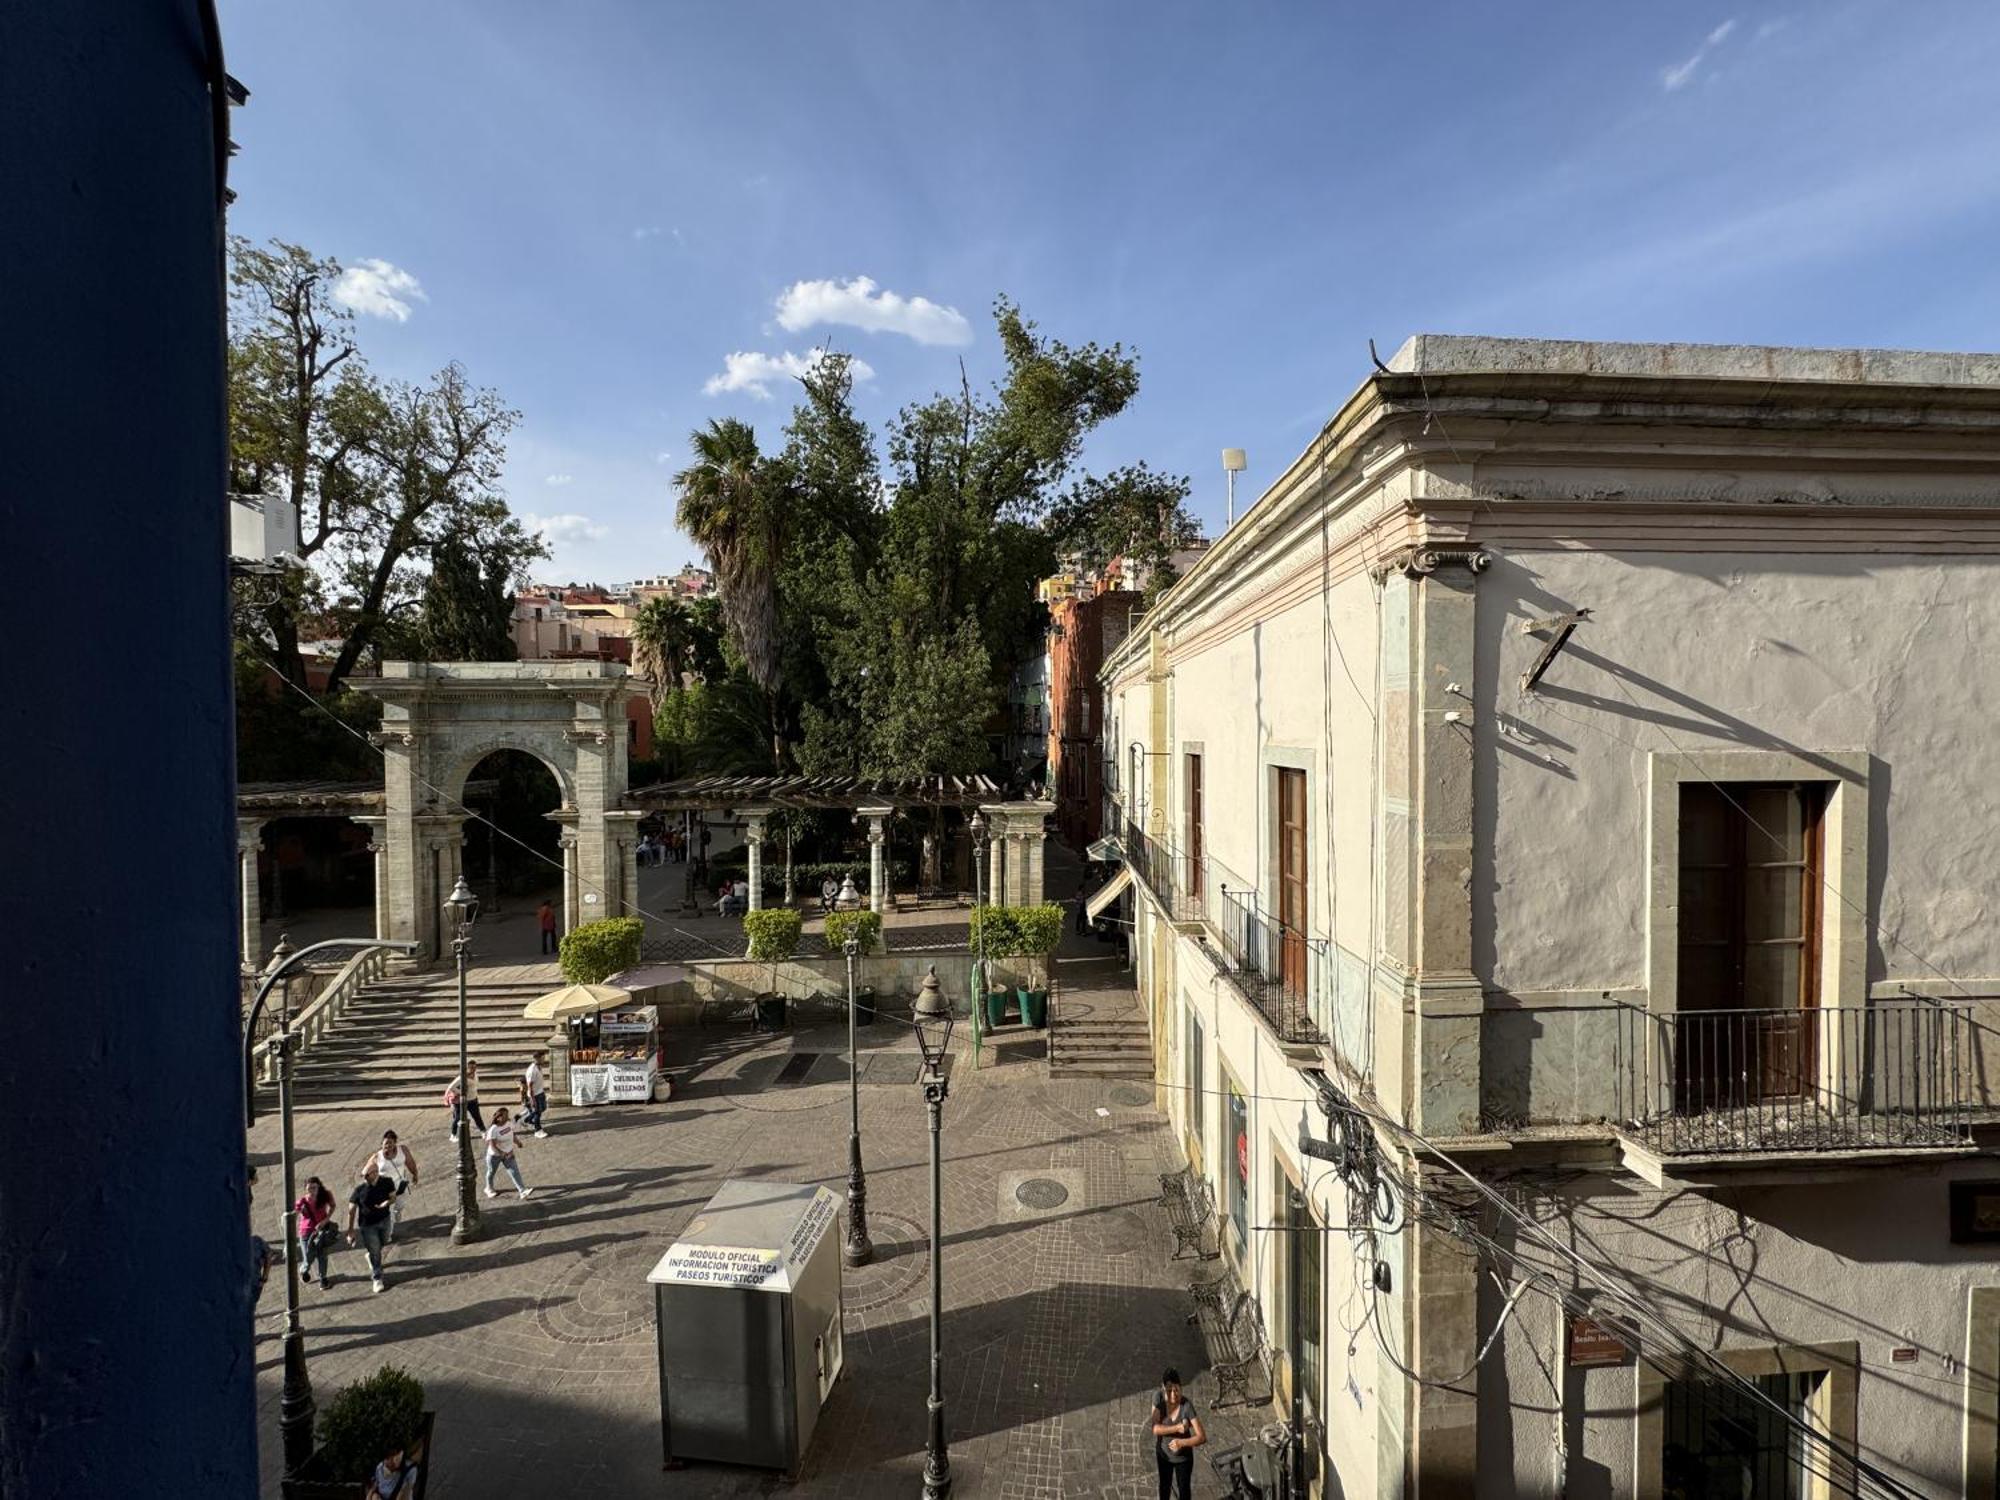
(461, 909)
(858, 1250)
(977, 828)
(933, 1021)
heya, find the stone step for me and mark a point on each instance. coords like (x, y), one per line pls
(1097, 1068)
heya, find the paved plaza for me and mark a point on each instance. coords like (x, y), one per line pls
(536, 1344)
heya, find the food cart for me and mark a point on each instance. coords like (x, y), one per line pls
(614, 1055)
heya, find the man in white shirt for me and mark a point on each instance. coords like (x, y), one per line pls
(535, 1095)
(500, 1153)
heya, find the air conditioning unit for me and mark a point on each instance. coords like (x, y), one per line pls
(263, 532)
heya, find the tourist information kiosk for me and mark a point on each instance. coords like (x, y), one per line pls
(749, 1305)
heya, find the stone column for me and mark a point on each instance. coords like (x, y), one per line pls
(753, 836)
(878, 875)
(996, 857)
(250, 839)
(623, 897)
(378, 845)
(571, 914)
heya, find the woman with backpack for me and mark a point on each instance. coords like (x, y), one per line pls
(316, 1230)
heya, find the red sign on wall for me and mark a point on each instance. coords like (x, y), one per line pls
(1592, 1343)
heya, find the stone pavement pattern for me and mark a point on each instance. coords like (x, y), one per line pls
(536, 1344)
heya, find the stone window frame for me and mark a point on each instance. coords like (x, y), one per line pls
(1833, 1405)
(1843, 937)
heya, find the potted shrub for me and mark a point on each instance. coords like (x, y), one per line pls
(593, 951)
(995, 934)
(865, 927)
(1038, 931)
(357, 1429)
(774, 937)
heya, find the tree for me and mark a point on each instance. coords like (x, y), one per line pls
(468, 605)
(662, 645)
(383, 475)
(292, 360)
(727, 506)
(1134, 513)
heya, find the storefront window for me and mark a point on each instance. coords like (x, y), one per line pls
(1237, 1168)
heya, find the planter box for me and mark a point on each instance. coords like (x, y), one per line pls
(310, 1481)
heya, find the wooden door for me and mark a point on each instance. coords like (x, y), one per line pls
(1750, 912)
(1292, 879)
(1196, 881)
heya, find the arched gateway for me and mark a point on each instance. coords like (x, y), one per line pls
(440, 719)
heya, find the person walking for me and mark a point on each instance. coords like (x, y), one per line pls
(368, 1217)
(500, 1152)
(463, 1096)
(316, 1232)
(535, 1095)
(545, 915)
(1177, 1432)
(398, 1163)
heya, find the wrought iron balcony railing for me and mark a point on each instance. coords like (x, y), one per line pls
(1826, 1078)
(1276, 967)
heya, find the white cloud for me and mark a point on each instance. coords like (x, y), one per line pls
(378, 289)
(754, 372)
(558, 479)
(1682, 73)
(665, 455)
(565, 530)
(861, 304)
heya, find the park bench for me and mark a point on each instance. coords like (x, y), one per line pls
(1190, 1207)
(1232, 1330)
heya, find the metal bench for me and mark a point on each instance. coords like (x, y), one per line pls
(1190, 1207)
(1232, 1328)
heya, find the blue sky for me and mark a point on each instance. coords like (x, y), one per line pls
(599, 203)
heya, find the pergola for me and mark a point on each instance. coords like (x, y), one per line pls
(1015, 853)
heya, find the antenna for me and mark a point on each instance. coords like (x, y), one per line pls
(1233, 463)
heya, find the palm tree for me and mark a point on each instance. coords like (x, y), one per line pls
(728, 508)
(662, 638)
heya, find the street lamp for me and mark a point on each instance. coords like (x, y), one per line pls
(295, 1399)
(933, 1022)
(858, 1251)
(461, 909)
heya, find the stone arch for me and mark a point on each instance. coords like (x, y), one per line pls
(440, 719)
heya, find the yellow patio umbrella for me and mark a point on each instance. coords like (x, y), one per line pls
(575, 1000)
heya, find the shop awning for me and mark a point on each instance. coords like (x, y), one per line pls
(1105, 850)
(1107, 893)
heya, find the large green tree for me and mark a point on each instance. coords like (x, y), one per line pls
(387, 476)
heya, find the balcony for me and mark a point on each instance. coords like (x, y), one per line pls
(1725, 1085)
(1276, 968)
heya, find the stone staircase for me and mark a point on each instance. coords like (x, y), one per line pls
(398, 1038)
(1099, 1041)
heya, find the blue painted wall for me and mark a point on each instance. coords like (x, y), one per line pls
(125, 1358)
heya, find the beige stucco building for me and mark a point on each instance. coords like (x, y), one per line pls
(1569, 790)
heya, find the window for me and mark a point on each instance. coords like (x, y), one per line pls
(1722, 1442)
(1197, 1101)
(1297, 1273)
(1292, 879)
(1749, 896)
(1196, 871)
(1236, 1169)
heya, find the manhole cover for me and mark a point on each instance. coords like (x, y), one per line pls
(1042, 1192)
(1131, 1094)
(1118, 1233)
(601, 1299)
